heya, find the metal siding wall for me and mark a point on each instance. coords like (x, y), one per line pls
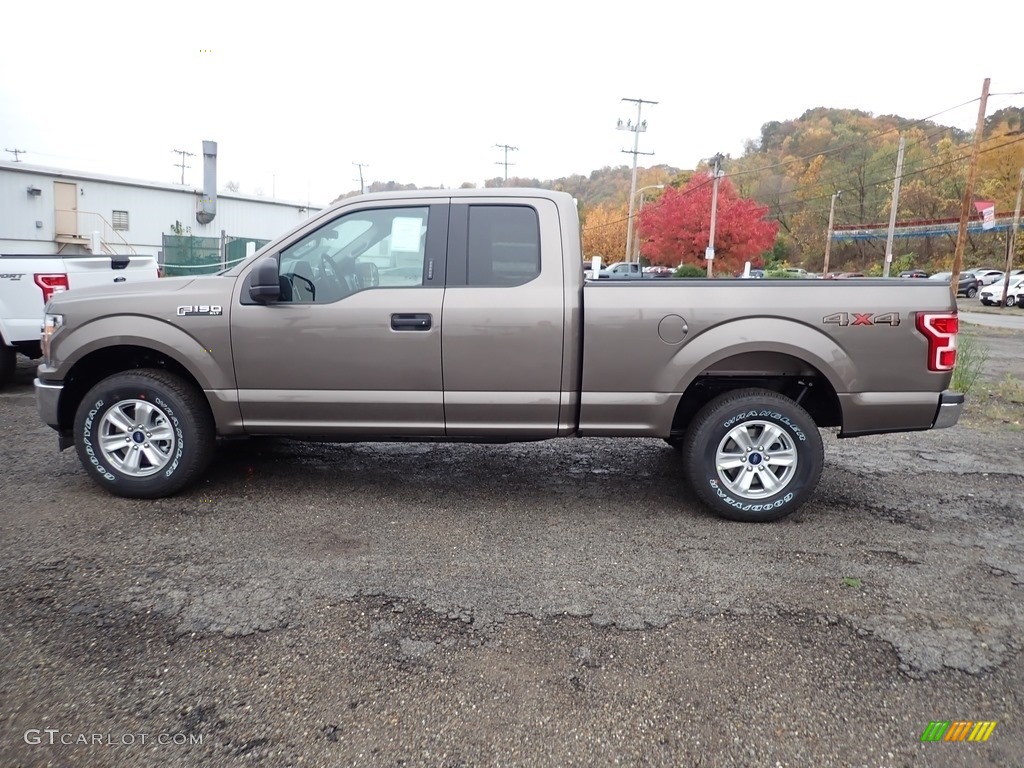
(151, 213)
(19, 213)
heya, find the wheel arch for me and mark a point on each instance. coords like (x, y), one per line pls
(102, 362)
(784, 356)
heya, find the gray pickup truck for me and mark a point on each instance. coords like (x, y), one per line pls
(464, 315)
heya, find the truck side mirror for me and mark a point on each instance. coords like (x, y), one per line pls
(264, 283)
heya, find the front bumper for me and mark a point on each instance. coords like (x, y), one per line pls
(951, 405)
(47, 402)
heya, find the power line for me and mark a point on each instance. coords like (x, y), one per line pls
(865, 139)
(637, 128)
(362, 186)
(505, 162)
(905, 175)
(182, 165)
(913, 172)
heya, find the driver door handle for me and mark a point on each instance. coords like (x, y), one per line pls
(411, 322)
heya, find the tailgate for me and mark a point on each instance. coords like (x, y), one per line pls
(87, 271)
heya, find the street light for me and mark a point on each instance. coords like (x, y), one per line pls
(640, 208)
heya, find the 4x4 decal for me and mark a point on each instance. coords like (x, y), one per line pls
(862, 318)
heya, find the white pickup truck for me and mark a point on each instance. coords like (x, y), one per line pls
(28, 282)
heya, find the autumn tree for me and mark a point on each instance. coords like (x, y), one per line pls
(675, 228)
(604, 232)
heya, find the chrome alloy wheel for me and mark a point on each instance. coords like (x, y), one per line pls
(756, 459)
(136, 438)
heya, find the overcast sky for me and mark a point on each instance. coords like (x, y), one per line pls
(295, 92)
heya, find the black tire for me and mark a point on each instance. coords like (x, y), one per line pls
(1011, 300)
(715, 428)
(972, 292)
(676, 443)
(151, 402)
(8, 363)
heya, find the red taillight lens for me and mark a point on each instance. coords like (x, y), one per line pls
(51, 284)
(941, 331)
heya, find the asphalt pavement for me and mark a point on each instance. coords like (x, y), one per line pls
(1013, 319)
(561, 603)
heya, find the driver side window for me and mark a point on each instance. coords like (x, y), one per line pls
(374, 248)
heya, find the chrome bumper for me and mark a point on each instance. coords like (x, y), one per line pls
(951, 405)
(47, 400)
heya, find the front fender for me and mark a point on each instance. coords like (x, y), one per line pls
(204, 351)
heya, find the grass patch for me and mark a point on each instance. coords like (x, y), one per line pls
(970, 360)
(1002, 403)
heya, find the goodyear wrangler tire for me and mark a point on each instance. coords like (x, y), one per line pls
(144, 434)
(753, 455)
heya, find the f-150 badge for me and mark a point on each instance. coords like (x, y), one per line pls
(200, 309)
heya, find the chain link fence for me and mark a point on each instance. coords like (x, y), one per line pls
(187, 255)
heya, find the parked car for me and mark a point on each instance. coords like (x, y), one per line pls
(986, 276)
(756, 274)
(622, 270)
(842, 275)
(968, 286)
(28, 281)
(993, 294)
(659, 271)
(917, 273)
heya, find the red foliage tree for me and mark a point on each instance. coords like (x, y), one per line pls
(674, 229)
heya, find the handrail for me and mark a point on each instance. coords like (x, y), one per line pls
(107, 232)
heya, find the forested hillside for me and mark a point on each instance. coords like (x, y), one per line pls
(794, 168)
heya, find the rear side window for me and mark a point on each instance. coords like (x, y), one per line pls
(504, 245)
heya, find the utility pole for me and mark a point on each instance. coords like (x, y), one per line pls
(828, 235)
(965, 208)
(182, 165)
(709, 253)
(16, 152)
(505, 162)
(1012, 245)
(892, 212)
(362, 186)
(637, 128)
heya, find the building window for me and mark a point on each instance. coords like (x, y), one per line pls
(120, 220)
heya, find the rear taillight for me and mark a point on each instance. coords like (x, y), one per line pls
(51, 284)
(940, 329)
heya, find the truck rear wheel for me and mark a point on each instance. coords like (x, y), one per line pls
(144, 434)
(8, 363)
(753, 455)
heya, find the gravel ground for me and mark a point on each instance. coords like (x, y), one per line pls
(554, 604)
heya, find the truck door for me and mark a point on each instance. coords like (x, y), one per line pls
(503, 319)
(353, 346)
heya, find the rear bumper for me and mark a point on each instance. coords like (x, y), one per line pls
(872, 413)
(47, 402)
(951, 405)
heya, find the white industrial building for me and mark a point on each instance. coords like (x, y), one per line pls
(50, 211)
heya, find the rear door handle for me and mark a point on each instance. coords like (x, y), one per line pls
(411, 322)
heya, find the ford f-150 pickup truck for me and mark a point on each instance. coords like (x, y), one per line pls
(464, 315)
(27, 283)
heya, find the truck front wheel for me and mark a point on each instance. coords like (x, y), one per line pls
(753, 455)
(144, 433)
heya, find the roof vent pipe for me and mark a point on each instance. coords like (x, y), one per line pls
(208, 204)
